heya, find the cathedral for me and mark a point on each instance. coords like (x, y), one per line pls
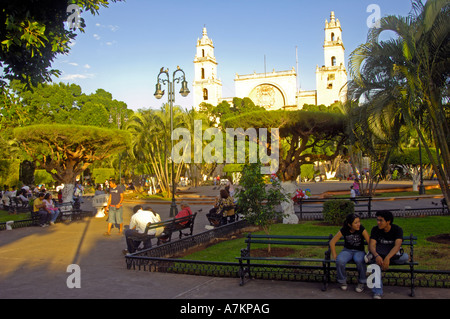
(277, 89)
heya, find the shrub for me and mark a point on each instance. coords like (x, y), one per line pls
(335, 211)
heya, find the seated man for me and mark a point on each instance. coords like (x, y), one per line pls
(39, 208)
(138, 223)
(385, 246)
(184, 212)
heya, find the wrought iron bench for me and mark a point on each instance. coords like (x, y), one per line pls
(245, 260)
(69, 211)
(407, 241)
(170, 226)
(359, 201)
(16, 205)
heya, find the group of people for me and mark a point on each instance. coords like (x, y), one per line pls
(24, 194)
(136, 235)
(384, 249)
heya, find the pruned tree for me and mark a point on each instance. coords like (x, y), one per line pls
(65, 151)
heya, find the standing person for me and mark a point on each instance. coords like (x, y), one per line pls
(114, 207)
(354, 235)
(138, 222)
(356, 187)
(385, 246)
(352, 194)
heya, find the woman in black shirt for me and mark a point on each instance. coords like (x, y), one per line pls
(354, 235)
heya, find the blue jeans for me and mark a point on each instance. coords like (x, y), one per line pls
(54, 215)
(399, 261)
(343, 258)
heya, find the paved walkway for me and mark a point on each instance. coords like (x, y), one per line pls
(34, 264)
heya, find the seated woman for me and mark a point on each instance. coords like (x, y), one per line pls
(50, 208)
(223, 208)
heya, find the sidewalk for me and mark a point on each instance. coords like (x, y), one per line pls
(34, 264)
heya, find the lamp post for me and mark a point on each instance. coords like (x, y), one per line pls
(119, 122)
(171, 97)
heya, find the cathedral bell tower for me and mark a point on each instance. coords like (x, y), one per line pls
(331, 78)
(207, 87)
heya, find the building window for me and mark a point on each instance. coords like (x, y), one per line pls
(333, 61)
(203, 52)
(205, 94)
(332, 36)
(203, 73)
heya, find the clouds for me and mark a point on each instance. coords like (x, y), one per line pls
(105, 29)
(80, 72)
(74, 77)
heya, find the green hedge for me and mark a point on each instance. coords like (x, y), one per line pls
(335, 211)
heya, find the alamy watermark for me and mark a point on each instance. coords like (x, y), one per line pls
(213, 152)
(74, 279)
(73, 20)
(373, 21)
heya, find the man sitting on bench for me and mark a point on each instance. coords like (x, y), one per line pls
(138, 222)
(184, 212)
(385, 246)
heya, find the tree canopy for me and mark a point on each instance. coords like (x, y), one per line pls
(65, 151)
(32, 34)
(305, 135)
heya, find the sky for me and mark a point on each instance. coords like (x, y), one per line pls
(125, 45)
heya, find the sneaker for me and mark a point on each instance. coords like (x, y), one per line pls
(368, 258)
(52, 223)
(125, 252)
(344, 287)
(376, 296)
(359, 288)
(43, 225)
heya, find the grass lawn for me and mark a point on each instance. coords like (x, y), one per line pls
(428, 254)
(5, 216)
(397, 194)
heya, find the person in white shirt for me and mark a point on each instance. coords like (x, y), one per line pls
(138, 222)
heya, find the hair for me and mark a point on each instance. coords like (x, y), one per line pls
(386, 214)
(349, 220)
(184, 204)
(136, 208)
(112, 180)
(47, 196)
(351, 187)
(41, 194)
(224, 193)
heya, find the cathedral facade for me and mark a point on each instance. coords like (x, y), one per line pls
(277, 89)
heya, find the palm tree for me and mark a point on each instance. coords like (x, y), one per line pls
(409, 76)
(151, 144)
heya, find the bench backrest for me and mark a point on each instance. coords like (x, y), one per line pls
(287, 240)
(310, 241)
(172, 221)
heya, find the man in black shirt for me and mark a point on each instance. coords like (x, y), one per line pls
(115, 208)
(385, 246)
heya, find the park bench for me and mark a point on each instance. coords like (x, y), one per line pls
(245, 260)
(407, 241)
(170, 226)
(360, 201)
(68, 211)
(17, 206)
(219, 220)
